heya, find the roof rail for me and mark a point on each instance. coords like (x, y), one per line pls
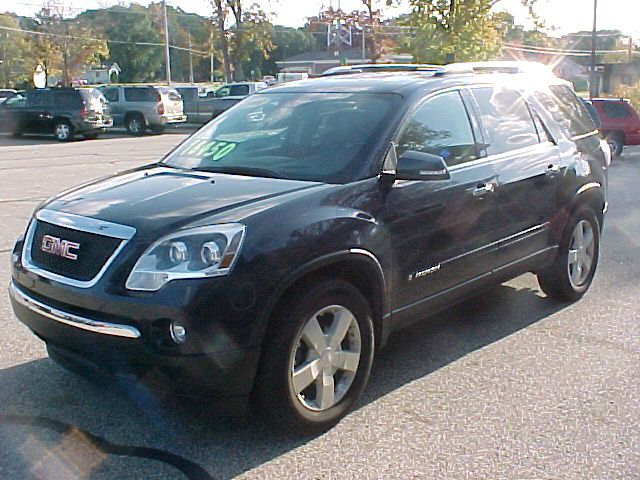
(382, 67)
(497, 67)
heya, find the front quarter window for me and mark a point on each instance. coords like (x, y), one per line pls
(323, 137)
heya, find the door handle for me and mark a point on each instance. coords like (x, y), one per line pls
(484, 189)
(552, 169)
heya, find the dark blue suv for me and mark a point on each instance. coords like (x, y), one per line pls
(271, 254)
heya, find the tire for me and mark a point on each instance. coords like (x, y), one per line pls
(63, 131)
(566, 279)
(135, 124)
(616, 143)
(280, 393)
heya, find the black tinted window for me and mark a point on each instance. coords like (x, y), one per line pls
(506, 118)
(111, 94)
(238, 90)
(141, 95)
(38, 98)
(567, 109)
(441, 127)
(615, 109)
(67, 100)
(188, 93)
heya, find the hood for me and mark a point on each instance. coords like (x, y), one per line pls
(156, 199)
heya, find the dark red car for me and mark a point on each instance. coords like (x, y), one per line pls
(619, 122)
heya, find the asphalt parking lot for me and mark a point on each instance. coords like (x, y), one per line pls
(506, 386)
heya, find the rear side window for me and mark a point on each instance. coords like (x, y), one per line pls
(440, 126)
(67, 100)
(188, 93)
(238, 90)
(506, 119)
(567, 109)
(615, 109)
(111, 94)
(39, 98)
(141, 95)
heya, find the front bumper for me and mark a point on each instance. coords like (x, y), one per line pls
(119, 350)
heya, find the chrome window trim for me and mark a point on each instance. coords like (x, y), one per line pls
(83, 224)
(584, 135)
(77, 321)
(499, 157)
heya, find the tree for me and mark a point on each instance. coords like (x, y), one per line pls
(16, 68)
(66, 46)
(220, 11)
(456, 30)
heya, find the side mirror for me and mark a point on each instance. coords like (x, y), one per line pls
(414, 165)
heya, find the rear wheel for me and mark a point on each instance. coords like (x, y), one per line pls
(575, 265)
(317, 357)
(135, 124)
(63, 131)
(616, 143)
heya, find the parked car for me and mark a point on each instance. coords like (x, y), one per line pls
(63, 112)
(592, 111)
(272, 253)
(6, 93)
(619, 122)
(201, 110)
(139, 108)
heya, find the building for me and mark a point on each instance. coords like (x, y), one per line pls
(314, 63)
(100, 74)
(614, 75)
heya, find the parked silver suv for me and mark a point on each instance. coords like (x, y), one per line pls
(140, 107)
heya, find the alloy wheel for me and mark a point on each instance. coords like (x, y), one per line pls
(62, 131)
(325, 358)
(581, 253)
(134, 125)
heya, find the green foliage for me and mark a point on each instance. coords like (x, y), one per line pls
(453, 30)
(632, 92)
(17, 66)
(287, 43)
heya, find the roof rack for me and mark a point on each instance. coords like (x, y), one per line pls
(497, 67)
(382, 67)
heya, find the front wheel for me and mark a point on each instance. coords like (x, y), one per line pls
(317, 357)
(575, 265)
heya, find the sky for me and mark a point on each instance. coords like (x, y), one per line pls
(564, 16)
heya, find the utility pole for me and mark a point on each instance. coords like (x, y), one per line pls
(593, 88)
(167, 58)
(190, 60)
(630, 50)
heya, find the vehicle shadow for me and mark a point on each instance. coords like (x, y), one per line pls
(195, 441)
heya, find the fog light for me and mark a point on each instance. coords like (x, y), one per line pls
(178, 332)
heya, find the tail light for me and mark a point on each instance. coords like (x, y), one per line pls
(161, 109)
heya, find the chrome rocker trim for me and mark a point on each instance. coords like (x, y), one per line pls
(71, 319)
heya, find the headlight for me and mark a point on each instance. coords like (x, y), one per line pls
(200, 252)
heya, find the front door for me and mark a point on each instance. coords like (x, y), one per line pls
(37, 115)
(440, 228)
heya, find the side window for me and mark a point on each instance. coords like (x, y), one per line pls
(506, 119)
(238, 90)
(615, 109)
(141, 95)
(38, 99)
(111, 94)
(67, 100)
(567, 110)
(440, 126)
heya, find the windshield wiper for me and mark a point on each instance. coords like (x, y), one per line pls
(248, 171)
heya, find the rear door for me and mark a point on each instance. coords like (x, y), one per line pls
(528, 169)
(37, 115)
(440, 229)
(112, 94)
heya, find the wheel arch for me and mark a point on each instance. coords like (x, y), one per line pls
(132, 113)
(356, 266)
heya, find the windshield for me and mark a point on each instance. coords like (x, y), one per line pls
(320, 137)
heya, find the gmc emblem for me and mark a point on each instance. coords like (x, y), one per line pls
(59, 247)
